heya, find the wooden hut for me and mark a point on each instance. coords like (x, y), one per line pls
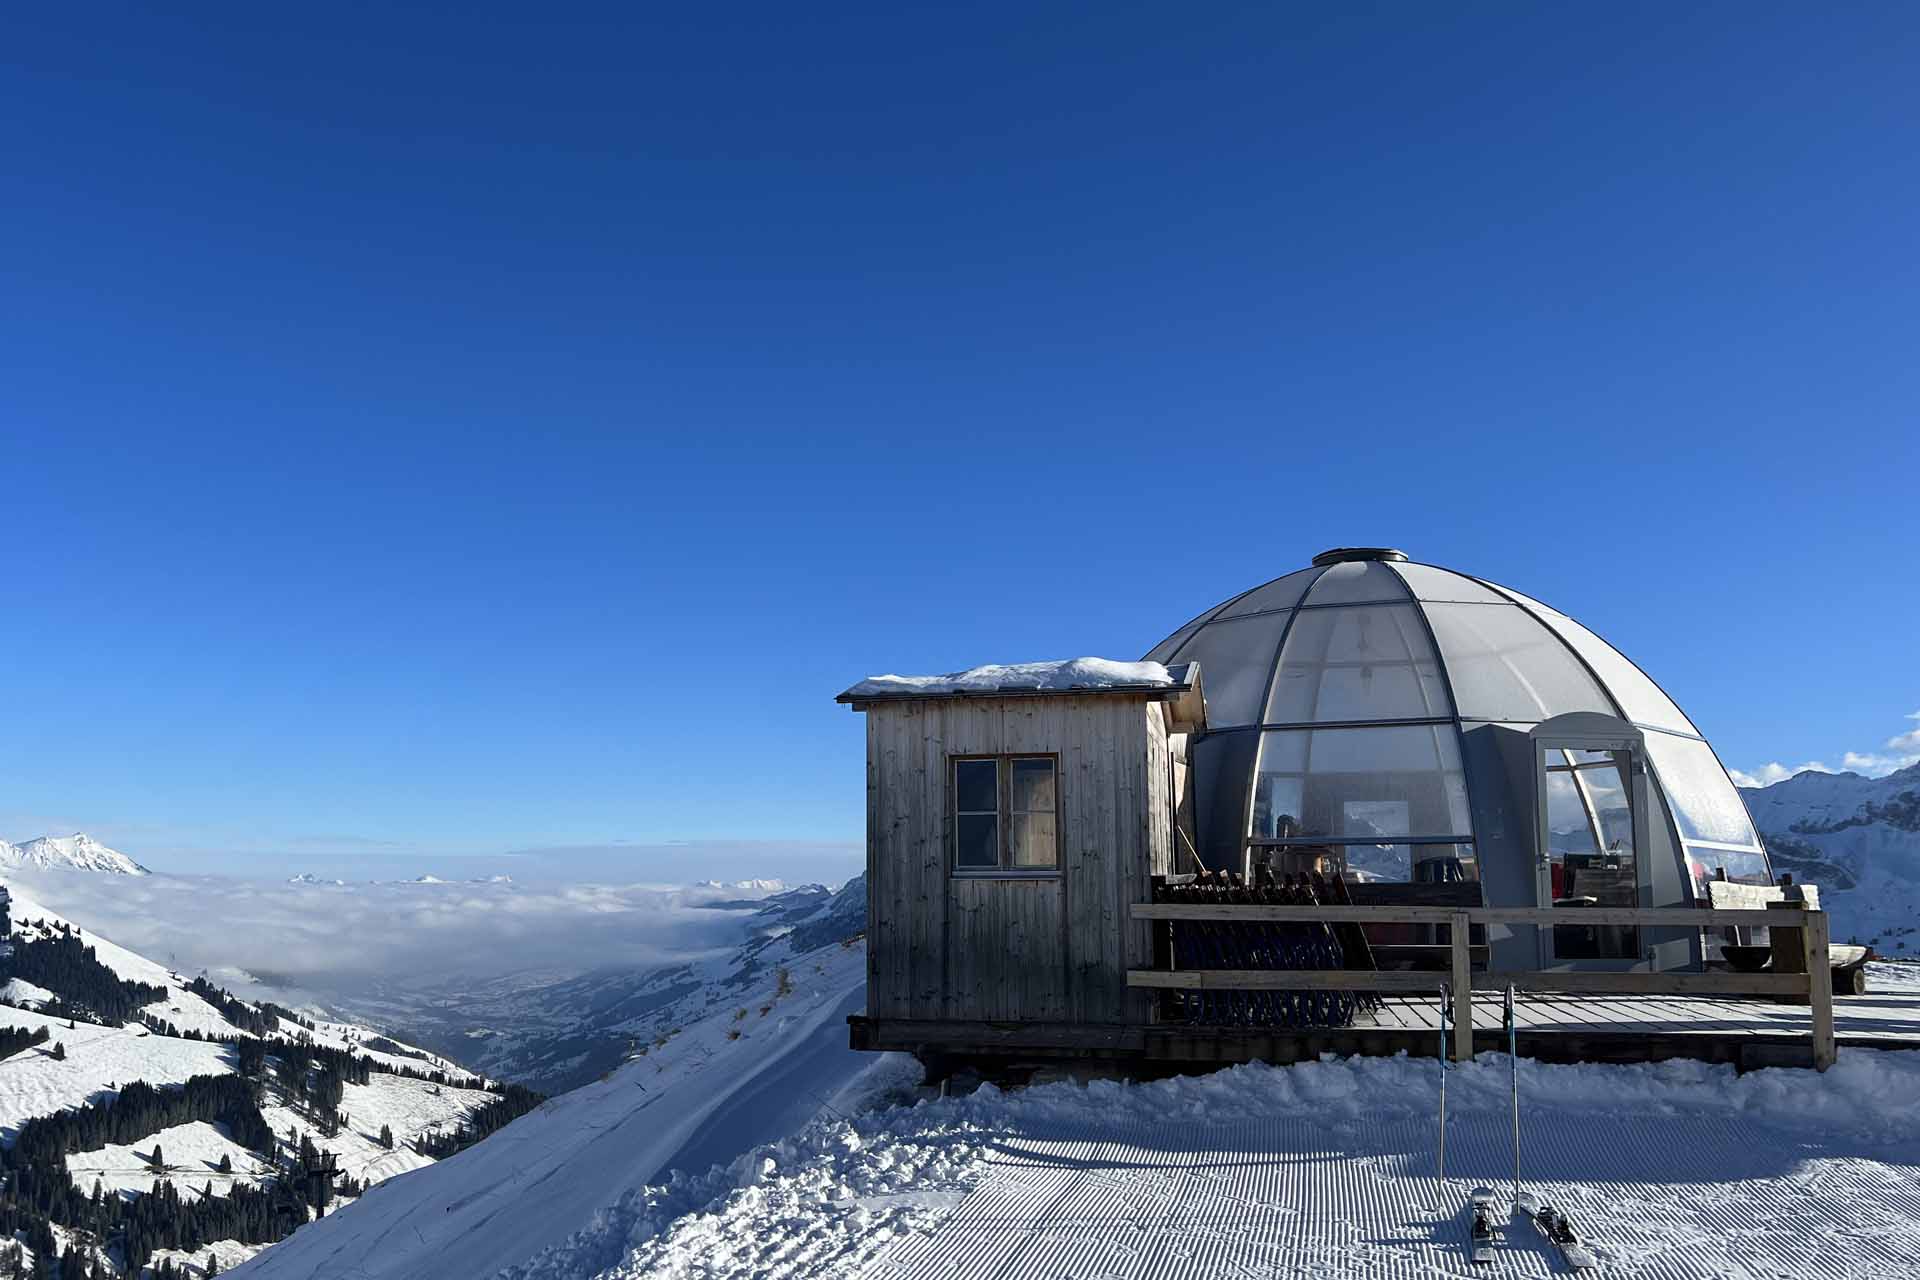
(1012, 820)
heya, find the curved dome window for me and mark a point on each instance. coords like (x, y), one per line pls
(1641, 700)
(1357, 582)
(1372, 663)
(1281, 593)
(1506, 665)
(1344, 702)
(1429, 583)
(1235, 657)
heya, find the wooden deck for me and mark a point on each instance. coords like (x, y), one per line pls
(1745, 1031)
(1888, 1020)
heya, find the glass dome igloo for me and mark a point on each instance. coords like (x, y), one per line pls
(1382, 708)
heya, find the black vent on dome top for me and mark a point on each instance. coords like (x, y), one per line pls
(1340, 555)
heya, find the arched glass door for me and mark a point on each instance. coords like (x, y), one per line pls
(1590, 847)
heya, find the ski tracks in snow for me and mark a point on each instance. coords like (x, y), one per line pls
(1672, 1171)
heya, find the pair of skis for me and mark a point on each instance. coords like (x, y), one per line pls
(1550, 1221)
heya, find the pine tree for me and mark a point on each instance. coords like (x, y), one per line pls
(386, 1136)
(226, 1162)
(213, 1263)
(59, 1051)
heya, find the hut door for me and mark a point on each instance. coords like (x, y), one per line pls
(1590, 845)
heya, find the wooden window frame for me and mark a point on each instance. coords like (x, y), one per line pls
(1003, 798)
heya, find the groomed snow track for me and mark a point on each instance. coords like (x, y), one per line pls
(1664, 1197)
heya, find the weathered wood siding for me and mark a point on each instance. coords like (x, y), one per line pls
(1033, 948)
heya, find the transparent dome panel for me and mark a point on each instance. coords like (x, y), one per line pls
(1357, 582)
(1235, 658)
(1390, 863)
(1639, 697)
(1281, 593)
(1360, 784)
(1370, 663)
(1505, 665)
(1702, 797)
(1166, 649)
(1429, 583)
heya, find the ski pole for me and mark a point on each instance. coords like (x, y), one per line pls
(1443, 1083)
(1513, 1057)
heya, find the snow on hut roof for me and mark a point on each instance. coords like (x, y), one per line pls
(1068, 675)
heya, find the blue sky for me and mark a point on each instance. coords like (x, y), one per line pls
(451, 431)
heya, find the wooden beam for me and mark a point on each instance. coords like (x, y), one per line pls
(1283, 980)
(1462, 991)
(1694, 917)
(1724, 984)
(1713, 984)
(1820, 988)
(1309, 915)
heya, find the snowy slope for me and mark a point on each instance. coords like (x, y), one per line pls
(77, 852)
(1857, 838)
(1318, 1170)
(99, 1060)
(33, 1083)
(191, 1154)
(762, 1055)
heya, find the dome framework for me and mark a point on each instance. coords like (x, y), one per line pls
(1404, 722)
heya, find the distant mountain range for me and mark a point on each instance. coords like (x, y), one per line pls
(1857, 838)
(77, 852)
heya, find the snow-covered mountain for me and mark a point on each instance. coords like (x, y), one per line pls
(1857, 838)
(742, 1050)
(322, 1111)
(77, 852)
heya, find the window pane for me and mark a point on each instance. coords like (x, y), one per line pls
(1235, 659)
(976, 786)
(1568, 830)
(1341, 783)
(1506, 666)
(1283, 593)
(1392, 863)
(1742, 867)
(1033, 786)
(1607, 793)
(1639, 696)
(976, 840)
(1429, 583)
(1357, 664)
(1356, 581)
(1389, 862)
(1033, 840)
(1699, 792)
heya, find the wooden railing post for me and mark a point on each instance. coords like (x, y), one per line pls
(1820, 989)
(1462, 990)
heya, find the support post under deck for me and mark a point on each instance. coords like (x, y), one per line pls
(1820, 989)
(1462, 989)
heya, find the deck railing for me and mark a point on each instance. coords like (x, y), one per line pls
(1815, 985)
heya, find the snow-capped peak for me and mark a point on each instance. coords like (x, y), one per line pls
(77, 852)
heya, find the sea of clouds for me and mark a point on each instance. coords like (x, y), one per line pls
(330, 936)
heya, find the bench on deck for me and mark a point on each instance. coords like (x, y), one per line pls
(1786, 950)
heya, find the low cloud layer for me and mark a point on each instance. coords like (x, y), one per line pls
(341, 937)
(1901, 750)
